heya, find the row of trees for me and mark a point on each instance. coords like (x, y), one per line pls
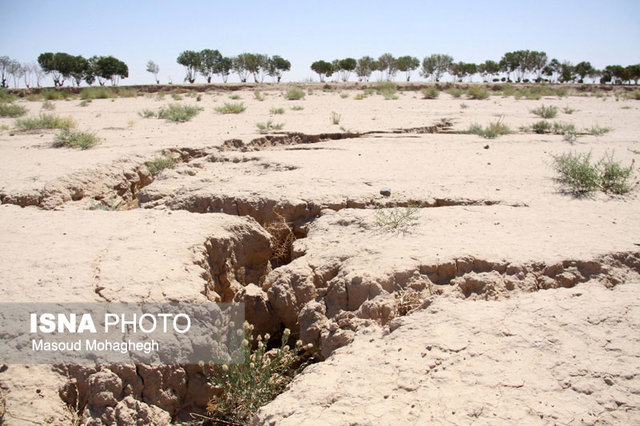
(520, 66)
(28, 73)
(211, 62)
(62, 66)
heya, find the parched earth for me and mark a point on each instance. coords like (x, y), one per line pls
(495, 297)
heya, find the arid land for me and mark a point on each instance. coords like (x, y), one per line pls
(499, 299)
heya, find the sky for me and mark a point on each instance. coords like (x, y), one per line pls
(136, 31)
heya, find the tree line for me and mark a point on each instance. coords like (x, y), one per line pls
(210, 62)
(519, 66)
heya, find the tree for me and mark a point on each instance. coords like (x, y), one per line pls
(364, 68)
(79, 69)
(154, 69)
(634, 73)
(277, 66)
(536, 63)
(92, 71)
(110, 68)
(552, 70)
(191, 61)
(387, 62)
(584, 69)
(463, 69)
(435, 66)
(5, 61)
(240, 66)
(322, 68)
(407, 64)
(567, 72)
(209, 63)
(346, 65)
(31, 70)
(488, 69)
(60, 65)
(16, 71)
(226, 65)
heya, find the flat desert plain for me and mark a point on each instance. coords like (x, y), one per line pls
(476, 290)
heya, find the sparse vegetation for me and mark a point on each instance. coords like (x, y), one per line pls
(12, 110)
(45, 121)
(235, 97)
(231, 108)
(176, 97)
(6, 96)
(344, 95)
(568, 110)
(541, 127)
(259, 96)
(158, 164)
(545, 111)
(335, 118)
(264, 374)
(578, 175)
(97, 93)
(464, 106)
(75, 139)
(397, 218)
(48, 105)
(456, 93)
(294, 94)
(180, 113)
(596, 130)
(430, 93)
(492, 131)
(387, 89)
(276, 110)
(268, 126)
(476, 92)
(297, 108)
(146, 113)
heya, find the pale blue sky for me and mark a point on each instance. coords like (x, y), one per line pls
(603, 32)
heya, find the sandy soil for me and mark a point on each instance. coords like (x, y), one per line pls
(492, 229)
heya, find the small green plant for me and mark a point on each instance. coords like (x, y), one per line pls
(125, 92)
(294, 94)
(258, 95)
(75, 139)
(235, 97)
(264, 374)
(231, 108)
(268, 126)
(344, 95)
(578, 175)
(596, 130)
(180, 113)
(492, 131)
(430, 93)
(48, 105)
(4, 127)
(45, 121)
(508, 90)
(633, 95)
(297, 108)
(158, 164)
(368, 91)
(541, 127)
(563, 128)
(160, 96)
(12, 110)
(176, 97)
(335, 118)
(84, 103)
(397, 218)
(276, 110)
(545, 111)
(199, 98)
(476, 92)
(464, 106)
(97, 93)
(6, 96)
(387, 89)
(146, 113)
(359, 96)
(625, 107)
(568, 110)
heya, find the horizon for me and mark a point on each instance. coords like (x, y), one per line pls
(468, 31)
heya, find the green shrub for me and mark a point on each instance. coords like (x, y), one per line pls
(97, 93)
(176, 97)
(297, 108)
(269, 126)
(258, 95)
(541, 127)
(464, 106)
(568, 110)
(12, 110)
(492, 131)
(5, 96)
(247, 386)
(75, 139)
(84, 103)
(387, 89)
(146, 113)
(563, 128)
(545, 111)
(430, 93)
(276, 110)
(45, 121)
(633, 95)
(335, 118)
(508, 90)
(176, 112)
(359, 96)
(397, 218)
(578, 175)
(158, 164)
(476, 92)
(294, 94)
(235, 97)
(48, 105)
(54, 95)
(125, 92)
(597, 130)
(231, 108)
(456, 93)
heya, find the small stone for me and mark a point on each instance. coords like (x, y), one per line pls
(385, 192)
(486, 147)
